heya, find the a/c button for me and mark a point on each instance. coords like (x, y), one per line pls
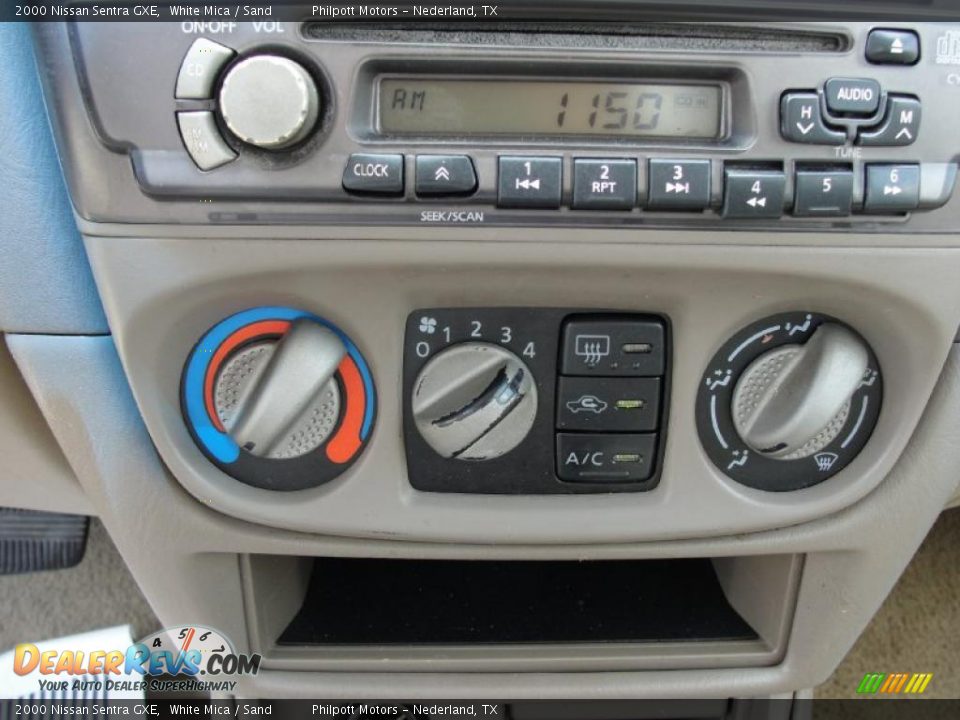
(618, 457)
(380, 174)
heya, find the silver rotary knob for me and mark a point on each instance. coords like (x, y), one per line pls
(793, 401)
(474, 401)
(280, 399)
(269, 101)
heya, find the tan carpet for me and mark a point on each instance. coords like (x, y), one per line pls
(918, 627)
(97, 593)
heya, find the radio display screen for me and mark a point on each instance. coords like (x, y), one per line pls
(426, 106)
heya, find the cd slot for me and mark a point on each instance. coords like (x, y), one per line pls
(586, 35)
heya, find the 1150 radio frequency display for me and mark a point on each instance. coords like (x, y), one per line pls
(441, 106)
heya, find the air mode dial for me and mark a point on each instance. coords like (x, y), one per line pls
(789, 401)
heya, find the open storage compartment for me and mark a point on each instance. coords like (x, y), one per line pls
(658, 613)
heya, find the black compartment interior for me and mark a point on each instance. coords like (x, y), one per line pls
(372, 601)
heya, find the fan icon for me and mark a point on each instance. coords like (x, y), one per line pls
(428, 325)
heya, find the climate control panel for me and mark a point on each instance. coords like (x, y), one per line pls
(534, 400)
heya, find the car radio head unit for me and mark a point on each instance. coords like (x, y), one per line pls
(515, 106)
(811, 131)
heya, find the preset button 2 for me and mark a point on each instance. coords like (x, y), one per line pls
(604, 184)
(530, 182)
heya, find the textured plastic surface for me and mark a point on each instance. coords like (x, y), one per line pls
(34, 473)
(368, 287)
(45, 281)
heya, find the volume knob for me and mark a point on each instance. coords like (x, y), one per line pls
(269, 101)
(474, 401)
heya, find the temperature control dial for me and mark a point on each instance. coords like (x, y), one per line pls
(474, 401)
(278, 398)
(789, 401)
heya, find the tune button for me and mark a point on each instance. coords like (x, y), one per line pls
(899, 127)
(802, 122)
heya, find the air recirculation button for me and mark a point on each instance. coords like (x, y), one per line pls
(278, 398)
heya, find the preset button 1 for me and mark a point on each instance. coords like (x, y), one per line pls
(604, 184)
(530, 182)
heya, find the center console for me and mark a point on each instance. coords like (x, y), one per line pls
(412, 314)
